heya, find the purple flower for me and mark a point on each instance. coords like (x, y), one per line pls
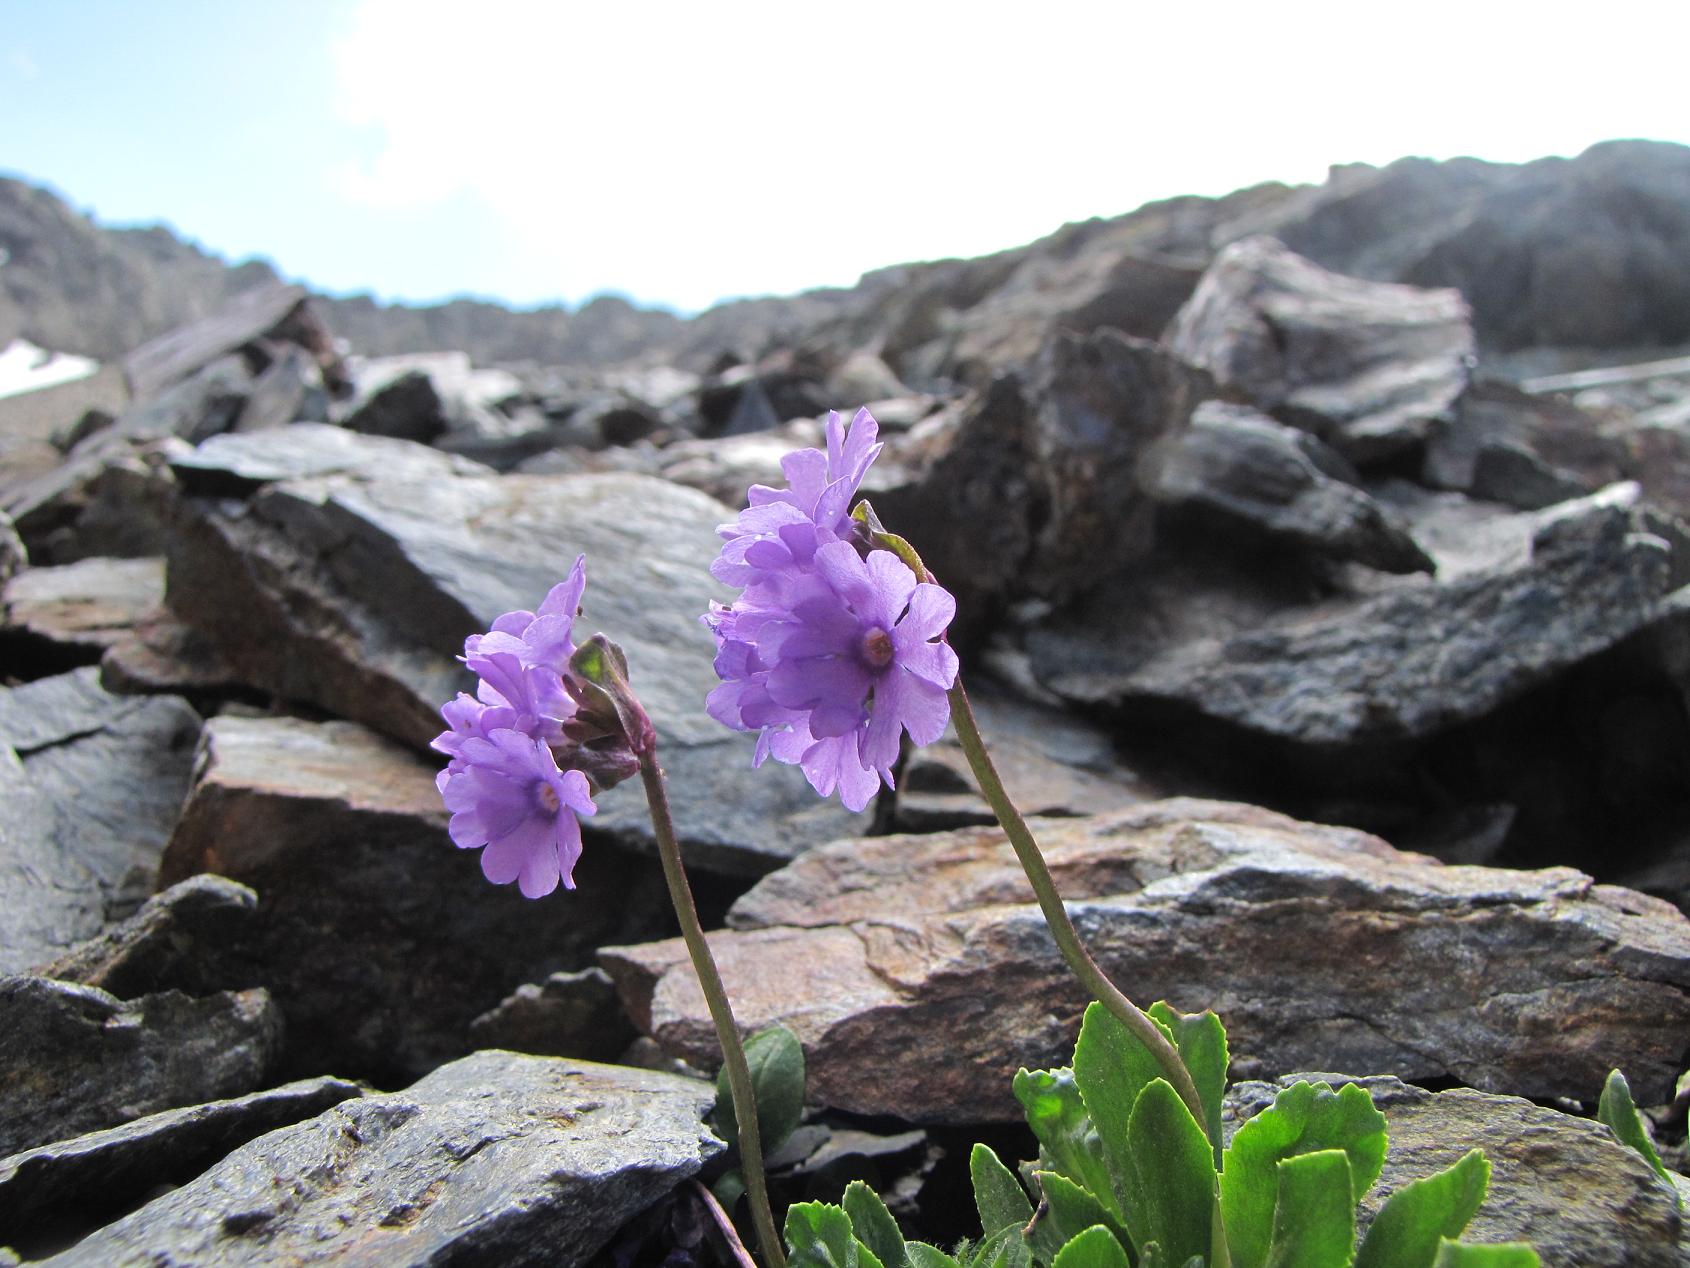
(830, 654)
(508, 795)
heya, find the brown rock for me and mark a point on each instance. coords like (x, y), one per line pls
(84, 607)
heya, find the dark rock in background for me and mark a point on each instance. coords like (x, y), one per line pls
(567, 1015)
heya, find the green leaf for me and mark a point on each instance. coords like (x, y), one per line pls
(1069, 1210)
(1005, 1248)
(997, 1193)
(1096, 1247)
(1314, 1216)
(921, 1255)
(1111, 1068)
(1305, 1118)
(729, 1188)
(1067, 1137)
(873, 1223)
(1619, 1112)
(818, 1235)
(1416, 1219)
(1201, 1040)
(1498, 1255)
(1176, 1172)
(777, 1081)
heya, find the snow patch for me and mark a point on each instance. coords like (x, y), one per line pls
(24, 368)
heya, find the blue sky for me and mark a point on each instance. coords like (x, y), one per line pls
(681, 153)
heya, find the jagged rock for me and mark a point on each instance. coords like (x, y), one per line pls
(497, 1158)
(379, 938)
(75, 611)
(567, 1015)
(1243, 470)
(74, 1059)
(116, 769)
(52, 1195)
(1368, 366)
(1564, 1184)
(289, 389)
(109, 497)
(179, 940)
(406, 407)
(160, 655)
(345, 571)
(1569, 582)
(919, 977)
(1052, 762)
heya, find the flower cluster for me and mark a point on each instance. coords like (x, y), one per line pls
(503, 785)
(834, 648)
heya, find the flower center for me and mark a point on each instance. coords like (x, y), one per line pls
(877, 648)
(546, 795)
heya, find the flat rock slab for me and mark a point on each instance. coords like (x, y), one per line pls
(495, 1159)
(1562, 1183)
(74, 1059)
(52, 900)
(919, 977)
(346, 571)
(1368, 366)
(381, 939)
(86, 606)
(80, 1184)
(114, 768)
(1401, 665)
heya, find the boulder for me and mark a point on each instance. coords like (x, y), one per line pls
(75, 1059)
(567, 1015)
(919, 977)
(380, 938)
(495, 1159)
(345, 571)
(1370, 367)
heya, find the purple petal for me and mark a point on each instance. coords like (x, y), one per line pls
(931, 609)
(932, 662)
(925, 710)
(880, 740)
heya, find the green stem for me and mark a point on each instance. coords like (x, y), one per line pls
(721, 1012)
(1146, 1031)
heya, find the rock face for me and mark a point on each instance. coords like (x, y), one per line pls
(74, 1059)
(1369, 367)
(78, 610)
(49, 1194)
(114, 767)
(497, 1158)
(1400, 665)
(380, 938)
(918, 982)
(1563, 1184)
(346, 571)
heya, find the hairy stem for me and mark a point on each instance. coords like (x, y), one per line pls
(721, 1012)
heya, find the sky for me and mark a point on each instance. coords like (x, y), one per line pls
(538, 151)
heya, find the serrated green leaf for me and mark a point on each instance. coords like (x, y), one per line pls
(1068, 1139)
(921, 1255)
(1201, 1040)
(997, 1193)
(1006, 1248)
(1496, 1255)
(1175, 1172)
(776, 1059)
(1095, 1247)
(1305, 1118)
(1418, 1217)
(1314, 1215)
(818, 1235)
(1619, 1112)
(873, 1223)
(1069, 1210)
(1111, 1069)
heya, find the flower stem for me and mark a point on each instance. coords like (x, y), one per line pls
(1146, 1031)
(721, 1012)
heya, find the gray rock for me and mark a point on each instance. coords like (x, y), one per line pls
(53, 1194)
(918, 976)
(13, 557)
(111, 496)
(179, 940)
(81, 608)
(1242, 470)
(1564, 1184)
(1368, 366)
(406, 408)
(160, 655)
(52, 899)
(352, 588)
(116, 767)
(495, 1159)
(287, 390)
(379, 938)
(1403, 664)
(74, 1059)
(567, 1015)
(1524, 450)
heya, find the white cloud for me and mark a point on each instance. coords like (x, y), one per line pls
(684, 151)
